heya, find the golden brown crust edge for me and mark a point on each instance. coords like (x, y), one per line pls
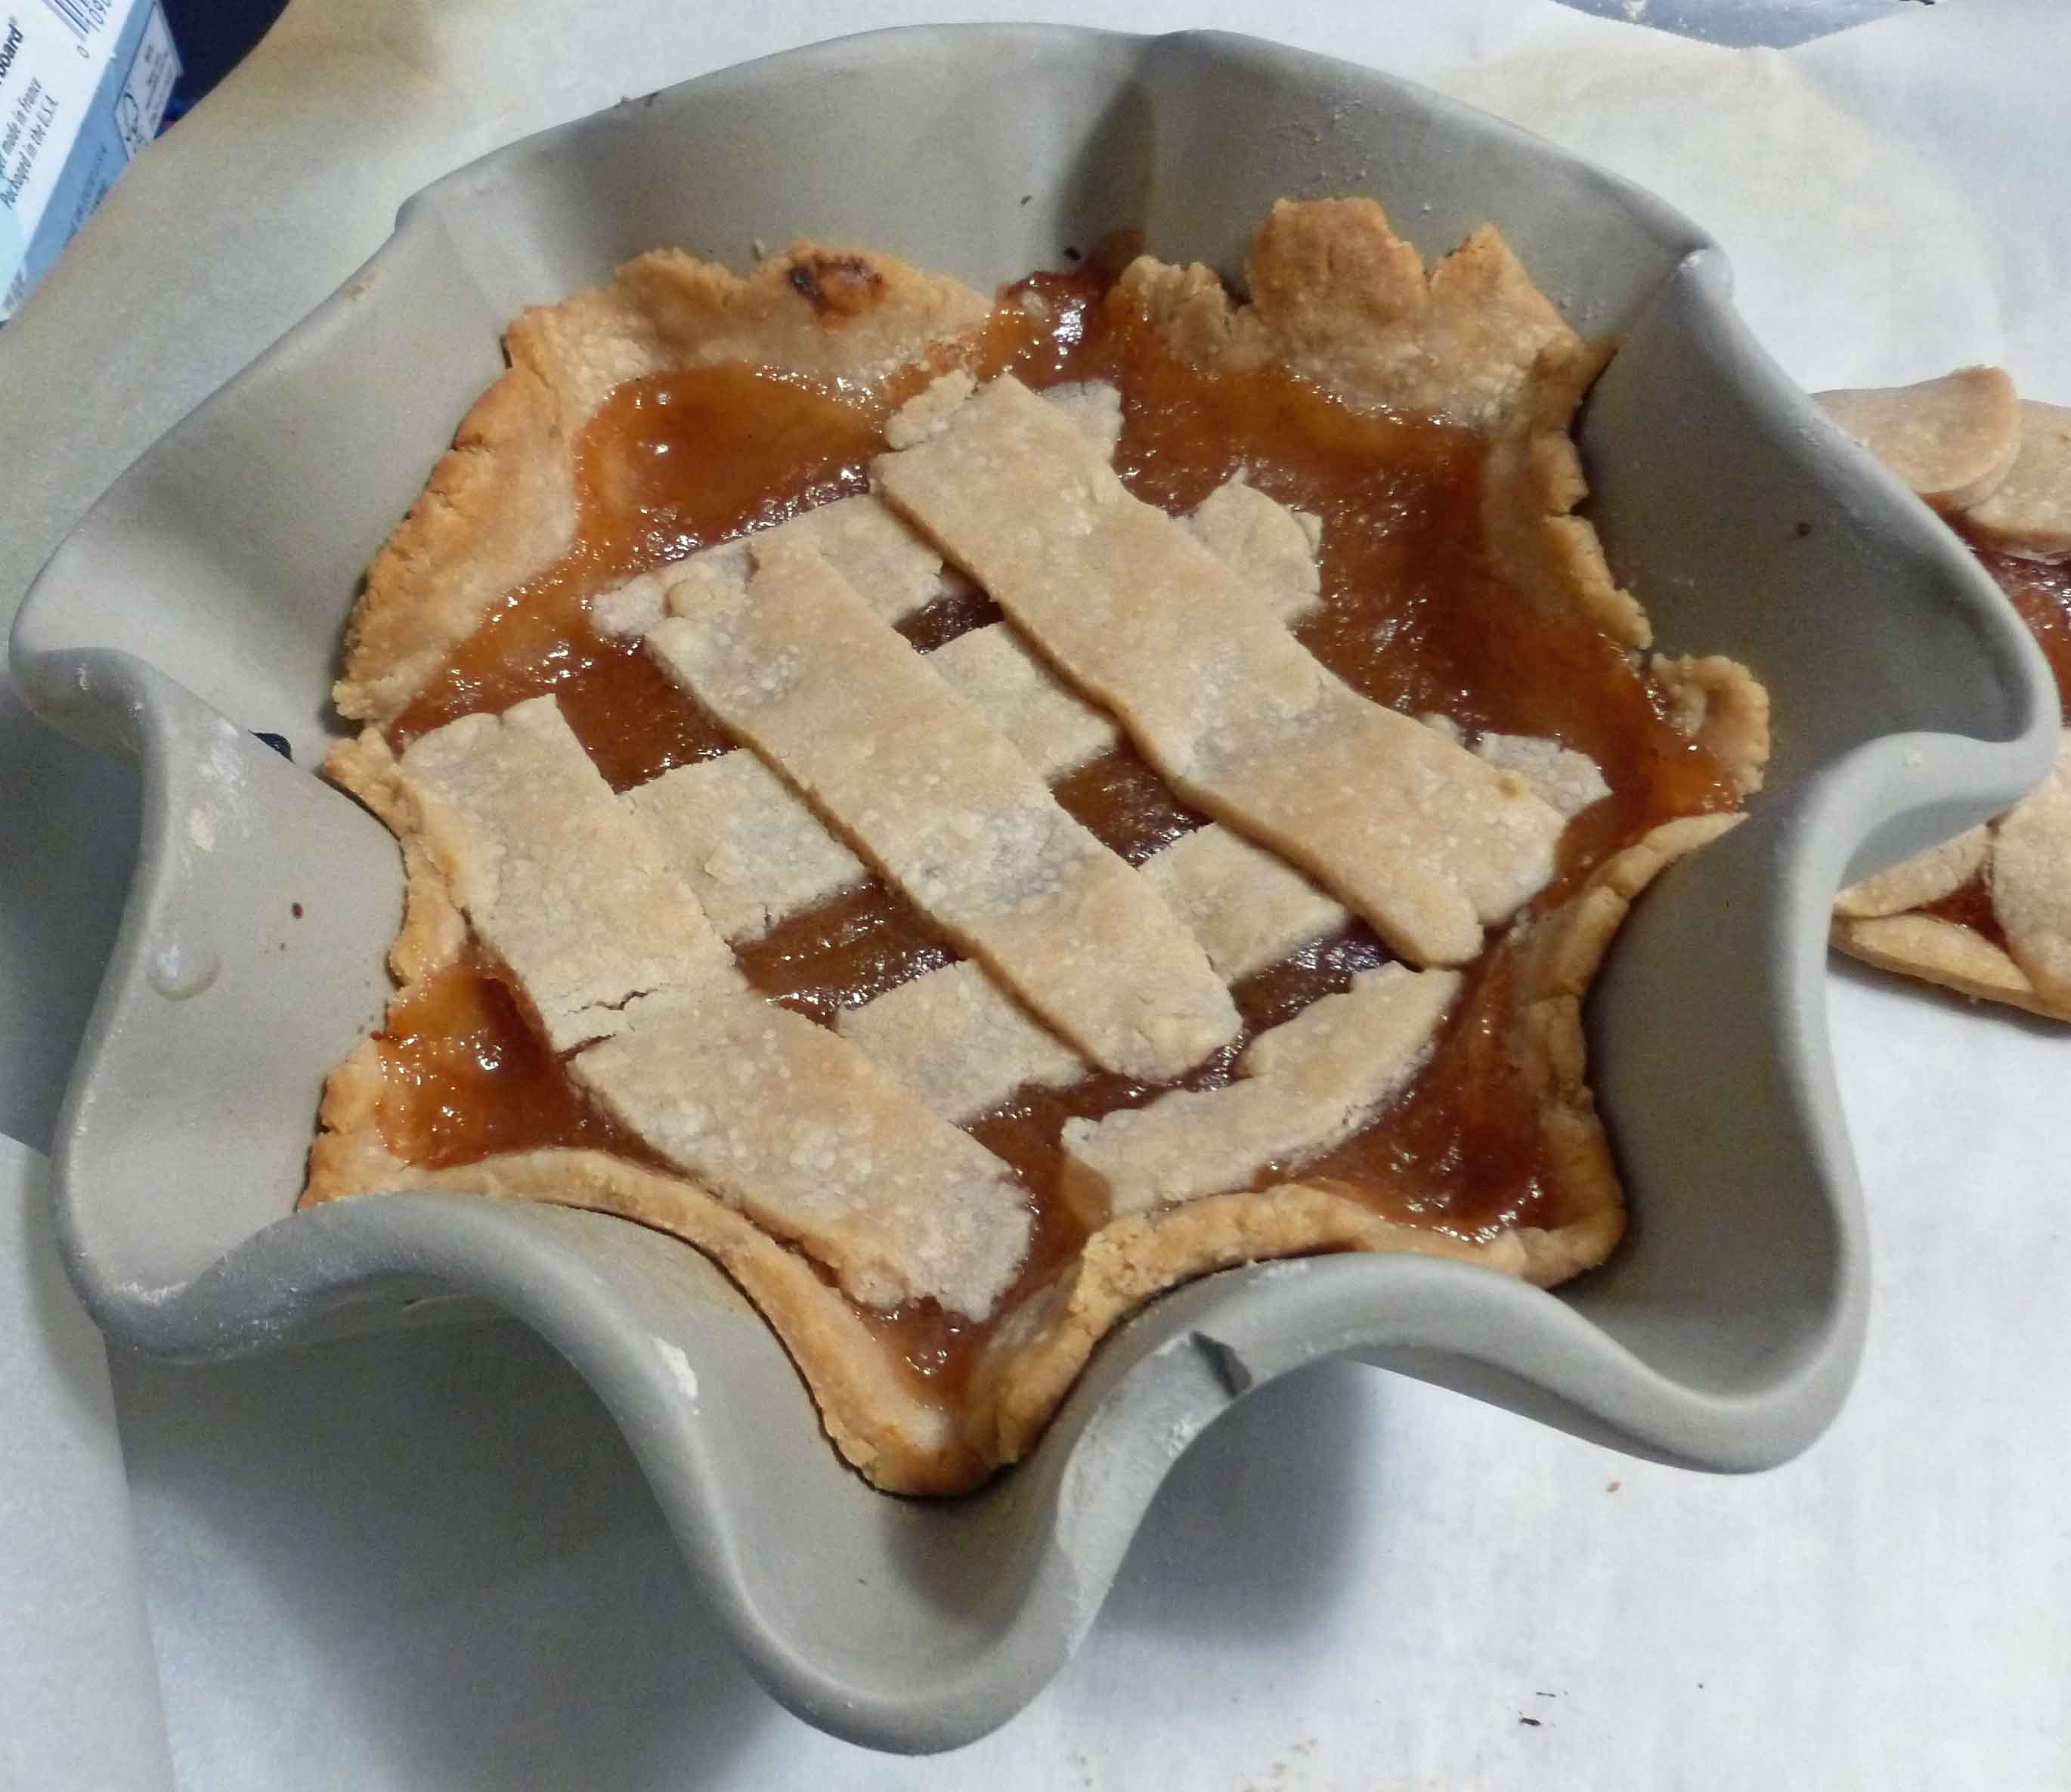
(1530, 487)
(1340, 298)
(1977, 451)
(500, 507)
(1723, 706)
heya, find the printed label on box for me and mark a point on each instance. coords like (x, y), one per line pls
(84, 85)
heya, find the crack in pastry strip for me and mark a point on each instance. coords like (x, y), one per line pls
(946, 808)
(1415, 834)
(1300, 1088)
(558, 881)
(795, 1126)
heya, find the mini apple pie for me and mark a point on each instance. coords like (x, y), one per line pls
(973, 812)
(1989, 912)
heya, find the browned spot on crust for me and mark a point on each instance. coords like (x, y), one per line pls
(837, 287)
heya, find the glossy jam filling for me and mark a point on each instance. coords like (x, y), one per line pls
(468, 1077)
(1969, 906)
(1413, 616)
(2042, 595)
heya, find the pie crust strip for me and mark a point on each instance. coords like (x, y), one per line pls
(1941, 870)
(1300, 1088)
(1566, 780)
(892, 569)
(2028, 513)
(755, 854)
(501, 506)
(560, 882)
(1248, 908)
(1054, 730)
(1271, 548)
(1952, 440)
(1942, 952)
(965, 1046)
(796, 1127)
(959, 1042)
(752, 853)
(1413, 833)
(946, 810)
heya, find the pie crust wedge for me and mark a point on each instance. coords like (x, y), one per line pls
(1988, 913)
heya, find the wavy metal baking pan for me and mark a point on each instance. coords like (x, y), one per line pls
(202, 598)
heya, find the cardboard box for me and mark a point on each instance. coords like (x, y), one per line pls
(83, 84)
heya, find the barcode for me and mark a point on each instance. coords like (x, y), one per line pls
(83, 16)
